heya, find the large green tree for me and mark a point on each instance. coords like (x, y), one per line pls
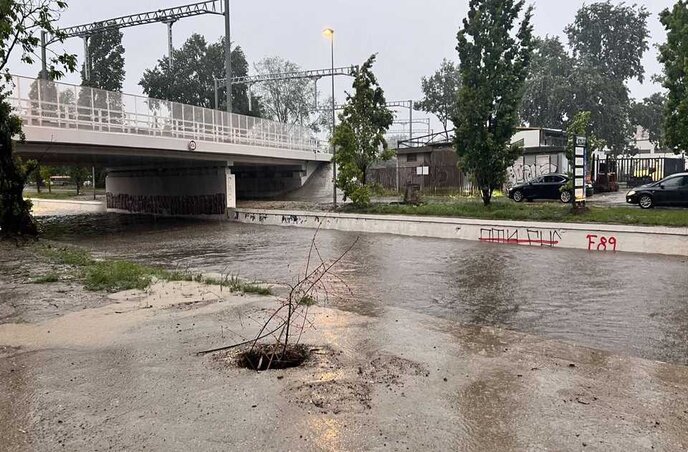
(649, 114)
(21, 23)
(548, 95)
(611, 38)
(360, 135)
(608, 43)
(494, 52)
(289, 101)
(674, 56)
(192, 79)
(107, 61)
(439, 93)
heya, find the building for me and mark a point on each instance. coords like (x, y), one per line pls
(432, 162)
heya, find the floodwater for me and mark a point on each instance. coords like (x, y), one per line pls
(626, 303)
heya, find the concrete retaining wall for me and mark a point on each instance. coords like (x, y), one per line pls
(593, 237)
(43, 207)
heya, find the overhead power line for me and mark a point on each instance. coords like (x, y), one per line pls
(168, 15)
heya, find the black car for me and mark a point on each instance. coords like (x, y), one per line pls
(544, 187)
(670, 191)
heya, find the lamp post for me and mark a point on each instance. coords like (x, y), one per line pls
(228, 61)
(329, 34)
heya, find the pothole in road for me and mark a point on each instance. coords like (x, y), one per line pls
(271, 357)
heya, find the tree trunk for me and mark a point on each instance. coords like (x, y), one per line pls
(487, 196)
(15, 212)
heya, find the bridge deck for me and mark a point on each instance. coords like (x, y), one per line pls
(51, 105)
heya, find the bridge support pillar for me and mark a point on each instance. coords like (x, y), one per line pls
(196, 191)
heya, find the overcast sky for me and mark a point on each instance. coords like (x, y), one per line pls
(410, 36)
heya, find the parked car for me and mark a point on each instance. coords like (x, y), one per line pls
(545, 187)
(670, 191)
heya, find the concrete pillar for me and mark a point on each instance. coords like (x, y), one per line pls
(194, 191)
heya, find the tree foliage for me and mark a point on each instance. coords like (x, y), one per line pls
(606, 46)
(440, 91)
(78, 175)
(192, 79)
(360, 135)
(107, 61)
(611, 38)
(547, 97)
(649, 114)
(674, 56)
(21, 22)
(495, 53)
(286, 101)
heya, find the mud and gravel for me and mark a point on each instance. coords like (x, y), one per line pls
(120, 372)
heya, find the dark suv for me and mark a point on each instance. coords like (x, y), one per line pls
(670, 191)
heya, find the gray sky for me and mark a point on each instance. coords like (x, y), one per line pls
(410, 36)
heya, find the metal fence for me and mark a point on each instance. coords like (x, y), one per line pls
(52, 104)
(441, 179)
(634, 171)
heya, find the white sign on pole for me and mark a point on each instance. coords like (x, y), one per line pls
(579, 169)
(422, 170)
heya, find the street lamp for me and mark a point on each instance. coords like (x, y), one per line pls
(329, 34)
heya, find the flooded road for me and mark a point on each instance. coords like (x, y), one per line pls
(625, 303)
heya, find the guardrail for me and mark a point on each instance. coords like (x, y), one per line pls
(52, 104)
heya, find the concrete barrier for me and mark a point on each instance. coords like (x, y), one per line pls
(43, 207)
(600, 238)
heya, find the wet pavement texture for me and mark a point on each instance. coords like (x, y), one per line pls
(624, 303)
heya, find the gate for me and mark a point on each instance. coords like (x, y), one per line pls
(634, 171)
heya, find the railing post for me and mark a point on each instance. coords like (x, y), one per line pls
(107, 105)
(93, 111)
(39, 84)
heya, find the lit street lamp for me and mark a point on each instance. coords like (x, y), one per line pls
(329, 34)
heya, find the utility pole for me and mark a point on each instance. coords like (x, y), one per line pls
(228, 60)
(44, 63)
(170, 45)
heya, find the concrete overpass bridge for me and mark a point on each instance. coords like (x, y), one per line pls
(164, 157)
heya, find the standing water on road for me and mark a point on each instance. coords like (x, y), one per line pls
(626, 303)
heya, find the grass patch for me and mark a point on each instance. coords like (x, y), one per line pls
(115, 276)
(505, 209)
(237, 285)
(118, 275)
(46, 279)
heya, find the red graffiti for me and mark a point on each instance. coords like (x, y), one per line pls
(601, 243)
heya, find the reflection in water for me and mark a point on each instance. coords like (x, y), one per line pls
(626, 303)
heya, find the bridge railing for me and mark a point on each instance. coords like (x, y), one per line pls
(53, 104)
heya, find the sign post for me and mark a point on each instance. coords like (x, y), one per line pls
(580, 164)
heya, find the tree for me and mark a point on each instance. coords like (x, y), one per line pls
(548, 95)
(46, 173)
(439, 93)
(106, 73)
(360, 134)
(649, 114)
(21, 22)
(608, 102)
(494, 65)
(191, 80)
(107, 61)
(287, 101)
(674, 56)
(79, 175)
(608, 42)
(611, 38)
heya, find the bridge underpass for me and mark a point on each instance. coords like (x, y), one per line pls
(163, 157)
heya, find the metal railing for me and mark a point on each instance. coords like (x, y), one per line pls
(59, 105)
